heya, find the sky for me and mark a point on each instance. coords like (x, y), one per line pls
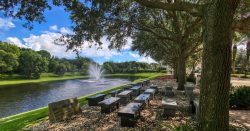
(42, 36)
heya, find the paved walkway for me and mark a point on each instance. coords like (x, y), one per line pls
(241, 116)
(240, 81)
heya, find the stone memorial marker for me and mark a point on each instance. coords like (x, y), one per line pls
(136, 90)
(170, 106)
(143, 98)
(64, 109)
(151, 92)
(114, 93)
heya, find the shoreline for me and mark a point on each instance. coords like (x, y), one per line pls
(58, 78)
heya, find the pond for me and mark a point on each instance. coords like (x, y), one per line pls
(20, 98)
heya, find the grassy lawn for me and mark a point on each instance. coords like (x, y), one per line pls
(19, 121)
(46, 77)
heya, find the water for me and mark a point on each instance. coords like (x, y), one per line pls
(95, 72)
(21, 98)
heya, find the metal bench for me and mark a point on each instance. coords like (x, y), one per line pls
(129, 114)
(143, 98)
(110, 104)
(114, 93)
(170, 106)
(125, 96)
(64, 109)
(93, 100)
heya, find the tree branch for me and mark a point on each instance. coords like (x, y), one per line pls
(193, 9)
(242, 25)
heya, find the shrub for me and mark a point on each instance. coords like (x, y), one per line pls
(240, 97)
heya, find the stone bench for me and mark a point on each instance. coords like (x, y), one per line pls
(127, 87)
(154, 87)
(129, 114)
(151, 92)
(142, 98)
(189, 90)
(64, 109)
(136, 90)
(114, 93)
(125, 96)
(94, 100)
(170, 106)
(110, 104)
(169, 91)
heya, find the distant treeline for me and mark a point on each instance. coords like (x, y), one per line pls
(30, 64)
(130, 67)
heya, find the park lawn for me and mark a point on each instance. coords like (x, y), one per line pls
(47, 77)
(19, 121)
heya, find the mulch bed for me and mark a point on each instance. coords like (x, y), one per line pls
(151, 119)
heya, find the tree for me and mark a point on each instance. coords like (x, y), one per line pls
(218, 22)
(8, 57)
(32, 64)
(60, 69)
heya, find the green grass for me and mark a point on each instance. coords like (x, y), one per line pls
(46, 77)
(19, 121)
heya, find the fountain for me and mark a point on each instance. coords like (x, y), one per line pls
(95, 72)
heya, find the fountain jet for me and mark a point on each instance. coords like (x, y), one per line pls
(95, 71)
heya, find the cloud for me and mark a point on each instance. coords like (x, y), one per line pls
(65, 30)
(15, 41)
(6, 23)
(134, 55)
(146, 59)
(53, 28)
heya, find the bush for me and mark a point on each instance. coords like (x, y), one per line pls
(240, 97)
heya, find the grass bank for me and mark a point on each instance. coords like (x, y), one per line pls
(19, 121)
(47, 77)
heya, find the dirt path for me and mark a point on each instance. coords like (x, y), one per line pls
(241, 116)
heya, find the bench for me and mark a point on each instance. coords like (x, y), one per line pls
(127, 87)
(143, 98)
(170, 106)
(151, 92)
(129, 114)
(169, 91)
(125, 96)
(189, 90)
(114, 93)
(136, 90)
(64, 109)
(110, 104)
(93, 100)
(154, 87)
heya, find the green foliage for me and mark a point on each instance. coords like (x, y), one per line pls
(60, 69)
(240, 97)
(32, 64)
(8, 57)
(130, 67)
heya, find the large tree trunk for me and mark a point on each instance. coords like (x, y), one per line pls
(216, 65)
(181, 72)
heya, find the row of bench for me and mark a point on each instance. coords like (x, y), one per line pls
(131, 111)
